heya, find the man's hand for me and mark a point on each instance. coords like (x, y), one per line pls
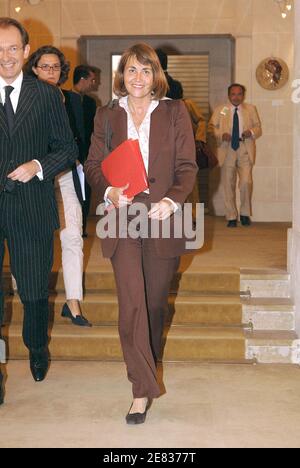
(226, 137)
(25, 172)
(115, 195)
(247, 134)
(161, 210)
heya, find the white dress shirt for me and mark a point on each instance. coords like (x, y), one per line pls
(15, 94)
(241, 120)
(142, 134)
(14, 97)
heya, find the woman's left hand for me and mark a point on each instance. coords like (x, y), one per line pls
(161, 210)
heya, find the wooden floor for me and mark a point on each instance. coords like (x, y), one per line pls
(263, 245)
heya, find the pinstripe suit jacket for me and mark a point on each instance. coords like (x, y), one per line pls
(41, 131)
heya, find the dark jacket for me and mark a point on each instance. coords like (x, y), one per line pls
(72, 102)
(41, 131)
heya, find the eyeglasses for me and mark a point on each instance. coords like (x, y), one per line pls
(47, 68)
(11, 50)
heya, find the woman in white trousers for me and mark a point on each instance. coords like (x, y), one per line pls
(48, 64)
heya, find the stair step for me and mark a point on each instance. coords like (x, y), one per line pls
(269, 313)
(215, 281)
(207, 281)
(273, 347)
(264, 273)
(103, 308)
(102, 343)
(265, 283)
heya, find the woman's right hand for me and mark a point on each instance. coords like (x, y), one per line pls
(115, 195)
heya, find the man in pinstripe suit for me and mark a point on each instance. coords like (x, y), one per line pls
(36, 143)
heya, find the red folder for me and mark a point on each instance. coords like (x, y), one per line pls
(125, 165)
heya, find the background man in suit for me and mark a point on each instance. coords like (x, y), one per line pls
(85, 79)
(175, 90)
(36, 143)
(235, 126)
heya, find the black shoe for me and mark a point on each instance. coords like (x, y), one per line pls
(79, 320)
(1, 389)
(245, 221)
(39, 363)
(137, 418)
(232, 223)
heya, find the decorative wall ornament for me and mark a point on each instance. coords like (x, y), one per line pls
(272, 73)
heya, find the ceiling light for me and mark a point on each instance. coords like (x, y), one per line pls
(22, 3)
(285, 6)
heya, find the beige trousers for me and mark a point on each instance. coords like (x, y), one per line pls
(237, 163)
(70, 217)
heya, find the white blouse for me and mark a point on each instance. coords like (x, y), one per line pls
(142, 135)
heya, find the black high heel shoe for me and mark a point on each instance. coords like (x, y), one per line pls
(137, 418)
(79, 320)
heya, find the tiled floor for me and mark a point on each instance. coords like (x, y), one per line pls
(83, 404)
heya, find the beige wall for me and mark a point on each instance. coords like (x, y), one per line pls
(273, 172)
(294, 233)
(259, 31)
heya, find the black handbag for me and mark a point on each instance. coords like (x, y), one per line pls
(205, 158)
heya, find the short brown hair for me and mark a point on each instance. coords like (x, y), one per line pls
(8, 22)
(36, 56)
(146, 55)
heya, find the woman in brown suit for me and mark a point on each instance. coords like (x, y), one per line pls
(144, 267)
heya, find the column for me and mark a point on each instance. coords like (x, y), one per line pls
(294, 233)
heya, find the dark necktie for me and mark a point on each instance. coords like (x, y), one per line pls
(235, 140)
(9, 111)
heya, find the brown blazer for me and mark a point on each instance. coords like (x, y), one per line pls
(172, 165)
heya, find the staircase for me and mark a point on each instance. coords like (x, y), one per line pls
(207, 325)
(270, 314)
(212, 321)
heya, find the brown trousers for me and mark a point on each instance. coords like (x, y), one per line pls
(143, 282)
